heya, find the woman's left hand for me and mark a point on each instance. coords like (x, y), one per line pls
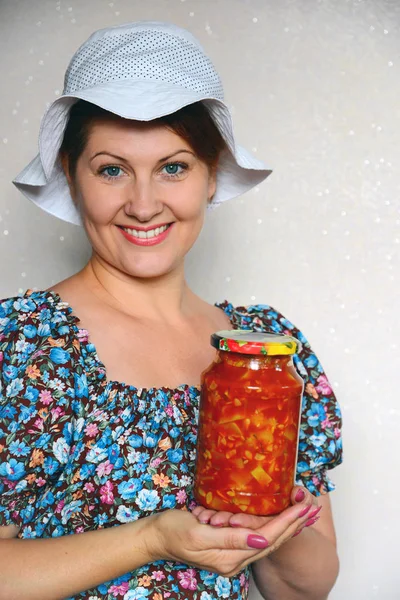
(299, 495)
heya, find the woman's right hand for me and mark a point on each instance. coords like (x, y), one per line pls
(177, 535)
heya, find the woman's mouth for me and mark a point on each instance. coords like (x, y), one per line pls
(146, 237)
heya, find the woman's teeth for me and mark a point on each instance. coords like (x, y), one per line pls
(146, 234)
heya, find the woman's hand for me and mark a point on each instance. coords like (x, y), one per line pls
(179, 536)
(299, 496)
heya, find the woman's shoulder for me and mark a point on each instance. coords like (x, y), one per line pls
(32, 323)
(259, 317)
(35, 314)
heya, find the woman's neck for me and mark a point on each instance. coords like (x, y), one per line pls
(167, 298)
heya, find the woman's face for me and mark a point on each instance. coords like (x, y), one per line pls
(142, 194)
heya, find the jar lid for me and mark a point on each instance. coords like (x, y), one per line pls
(253, 342)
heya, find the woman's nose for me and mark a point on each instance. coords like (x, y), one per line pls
(143, 202)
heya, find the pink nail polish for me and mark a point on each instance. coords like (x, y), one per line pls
(299, 496)
(315, 512)
(257, 541)
(297, 532)
(311, 522)
(304, 512)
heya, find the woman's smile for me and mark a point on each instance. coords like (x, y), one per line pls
(142, 236)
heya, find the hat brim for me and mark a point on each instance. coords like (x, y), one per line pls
(43, 181)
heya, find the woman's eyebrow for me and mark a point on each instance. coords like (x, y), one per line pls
(125, 160)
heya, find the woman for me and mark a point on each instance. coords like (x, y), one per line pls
(136, 149)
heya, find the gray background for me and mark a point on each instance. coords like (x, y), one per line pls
(314, 89)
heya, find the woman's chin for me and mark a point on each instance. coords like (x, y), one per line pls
(150, 271)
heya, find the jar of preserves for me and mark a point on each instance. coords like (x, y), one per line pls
(249, 420)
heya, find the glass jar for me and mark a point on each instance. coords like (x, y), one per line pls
(249, 420)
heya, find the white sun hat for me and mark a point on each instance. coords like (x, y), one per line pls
(140, 71)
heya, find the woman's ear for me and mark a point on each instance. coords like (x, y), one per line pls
(65, 167)
(212, 183)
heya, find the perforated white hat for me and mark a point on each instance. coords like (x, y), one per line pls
(139, 71)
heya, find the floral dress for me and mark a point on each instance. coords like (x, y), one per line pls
(79, 452)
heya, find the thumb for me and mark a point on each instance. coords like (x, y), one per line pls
(300, 495)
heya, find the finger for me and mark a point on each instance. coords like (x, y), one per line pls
(197, 510)
(205, 515)
(221, 519)
(250, 521)
(301, 495)
(230, 538)
(286, 523)
(311, 521)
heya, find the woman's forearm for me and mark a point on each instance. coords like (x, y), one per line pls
(305, 568)
(55, 568)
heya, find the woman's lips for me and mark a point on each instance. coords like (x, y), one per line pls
(156, 238)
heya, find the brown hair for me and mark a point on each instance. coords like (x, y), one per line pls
(192, 123)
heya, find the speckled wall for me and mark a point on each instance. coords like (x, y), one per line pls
(315, 90)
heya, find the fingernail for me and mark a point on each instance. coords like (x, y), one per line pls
(235, 524)
(204, 522)
(257, 541)
(297, 532)
(311, 522)
(304, 512)
(315, 512)
(300, 496)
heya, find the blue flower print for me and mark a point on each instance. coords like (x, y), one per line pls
(31, 393)
(135, 440)
(63, 373)
(30, 331)
(174, 432)
(147, 500)
(137, 594)
(69, 510)
(311, 361)
(169, 501)
(126, 515)
(50, 465)
(223, 587)
(44, 330)
(19, 448)
(12, 470)
(175, 455)
(208, 577)
(81, 386)
(24, 305)
(10, 373)
(206, 596)
(150, 440)
(27, 513)
(318, 440)
(302, 467)
(8, 412)
(59, 356)
(128, 489)
(316, 414)
(236, 586)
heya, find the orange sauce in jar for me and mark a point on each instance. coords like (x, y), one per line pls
(248, 424)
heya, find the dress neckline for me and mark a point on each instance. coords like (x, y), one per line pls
(90, 348)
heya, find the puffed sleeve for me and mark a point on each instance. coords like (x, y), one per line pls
(36, 403)
(320, 441)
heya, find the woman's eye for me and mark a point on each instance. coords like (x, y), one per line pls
(174, 169)
(111, 172)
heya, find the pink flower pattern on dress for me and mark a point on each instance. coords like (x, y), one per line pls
(187, 579)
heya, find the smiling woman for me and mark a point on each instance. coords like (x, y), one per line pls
(98, 431)
(142, 181)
